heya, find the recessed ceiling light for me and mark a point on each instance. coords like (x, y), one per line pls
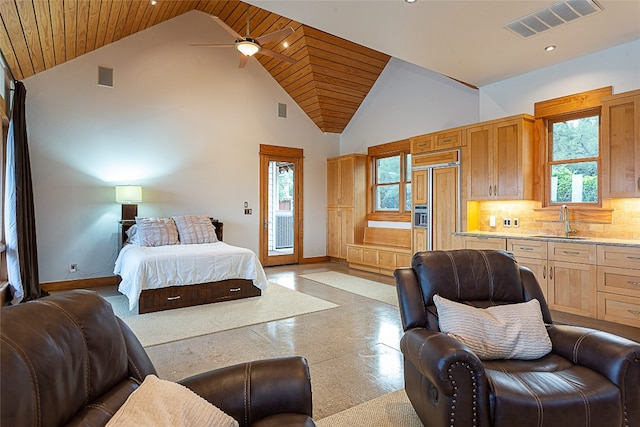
(154, 2)
(410, 1)
(550, 48)
(285, 45)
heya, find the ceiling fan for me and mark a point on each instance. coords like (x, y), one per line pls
(248, 46)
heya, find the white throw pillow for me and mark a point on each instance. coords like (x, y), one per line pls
(156, 231)
(510, 331)
(160, 403)
(195, 229)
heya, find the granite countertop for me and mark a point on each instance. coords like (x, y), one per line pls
(573, 239)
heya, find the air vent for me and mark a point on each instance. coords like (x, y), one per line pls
(105, 76)
(553, 16)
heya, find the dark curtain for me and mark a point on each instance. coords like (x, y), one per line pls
(26, 249)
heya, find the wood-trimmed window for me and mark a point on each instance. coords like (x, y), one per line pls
(390, 181)
(570, 128)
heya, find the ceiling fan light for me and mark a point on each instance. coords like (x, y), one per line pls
(248, 48)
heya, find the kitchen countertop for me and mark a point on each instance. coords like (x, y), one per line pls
(576, 239)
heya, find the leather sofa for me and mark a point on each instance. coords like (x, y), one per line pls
(590, 378)
(67, 360)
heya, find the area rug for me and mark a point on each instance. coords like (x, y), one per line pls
(356, 285)
(276, 303)
(390, 410)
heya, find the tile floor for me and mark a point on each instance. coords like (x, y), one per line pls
(352, 350)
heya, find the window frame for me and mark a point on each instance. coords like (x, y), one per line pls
(581, 104)
(398, 148)
(549, 163)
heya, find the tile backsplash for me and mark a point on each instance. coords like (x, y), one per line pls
(625, 219)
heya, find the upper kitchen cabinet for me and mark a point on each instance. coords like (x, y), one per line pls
(498, 159)
(621, 145)
(450, 138)
(346, 202)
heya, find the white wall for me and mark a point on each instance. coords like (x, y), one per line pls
(618, 67)
(183, 122)
(406, 101)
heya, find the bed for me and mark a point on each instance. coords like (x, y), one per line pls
(183, 262)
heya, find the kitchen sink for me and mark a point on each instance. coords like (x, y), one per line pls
(549, 236)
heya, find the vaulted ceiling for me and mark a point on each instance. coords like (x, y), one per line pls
(329, 81)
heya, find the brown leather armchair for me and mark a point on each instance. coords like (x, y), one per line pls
(67, 360)
(590, 378)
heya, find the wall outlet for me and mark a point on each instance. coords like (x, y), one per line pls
(248, 211)
(73, 268)
(506, 222)
(516, 222)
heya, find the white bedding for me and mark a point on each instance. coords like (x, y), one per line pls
(143, 267)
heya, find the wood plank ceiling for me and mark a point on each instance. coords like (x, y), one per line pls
(329, 81)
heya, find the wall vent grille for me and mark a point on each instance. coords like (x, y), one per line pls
(559, 13)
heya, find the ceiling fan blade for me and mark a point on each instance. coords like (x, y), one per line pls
(243, 61)
(276, 35)
(277, 55)
(212, 45)
(229, 30)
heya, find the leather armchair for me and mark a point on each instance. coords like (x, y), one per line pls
(67, 360)
(590, 378)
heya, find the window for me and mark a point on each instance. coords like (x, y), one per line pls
(392, 186)
(574, 159)
(570, 137)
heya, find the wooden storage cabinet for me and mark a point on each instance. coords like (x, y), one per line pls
(621, 145)
(450, 138)
(618, 284)
(481, 242)
(532, 254)
(572, 278)
(346, 202)
(498, 159)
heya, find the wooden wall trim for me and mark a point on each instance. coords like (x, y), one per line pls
(274, 150)
(94, 282)
(315, 260)
(572, 103)
(389, 147)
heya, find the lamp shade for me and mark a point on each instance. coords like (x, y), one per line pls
(127, 194)
(247, 47)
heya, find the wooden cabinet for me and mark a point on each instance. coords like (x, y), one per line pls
(618, 280)
(498, 159)
(445, 209)
(621, 145)
(482, 242)
(572, 278)
(420, 237)
(532, 254)
(419, 187)
(346, 202)
(450, 138)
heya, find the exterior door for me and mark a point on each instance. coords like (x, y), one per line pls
(281, 205)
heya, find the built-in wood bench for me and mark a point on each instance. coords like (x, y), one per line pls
(382, 250)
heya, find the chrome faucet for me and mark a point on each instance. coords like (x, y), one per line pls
(564, 216)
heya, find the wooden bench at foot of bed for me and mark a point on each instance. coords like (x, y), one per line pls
(184, 296)
(382, 250)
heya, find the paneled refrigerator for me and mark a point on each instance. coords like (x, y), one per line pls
(436, 193)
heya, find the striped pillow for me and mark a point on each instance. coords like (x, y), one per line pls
(195, 229)
(510, 331)
(156, 231)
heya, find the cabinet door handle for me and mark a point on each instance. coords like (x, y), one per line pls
(490, 193)
(495, 190)
(551, 273)
(544, 272)
(634, 258)
(446, 140)
(636, 312)
(174, 298)
(571, 252)
(234, 290)
(638, 183)
(525, 248)
(631, 282)
(339, 201)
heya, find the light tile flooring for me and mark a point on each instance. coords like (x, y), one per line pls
(353, 350)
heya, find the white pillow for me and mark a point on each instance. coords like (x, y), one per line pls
(160, 403)
(156, 231)
(510, 331)
(195, 229)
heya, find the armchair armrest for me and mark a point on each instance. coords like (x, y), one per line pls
(610, 355)
(256, 390)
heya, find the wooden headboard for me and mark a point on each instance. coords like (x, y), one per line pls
(126, 224)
